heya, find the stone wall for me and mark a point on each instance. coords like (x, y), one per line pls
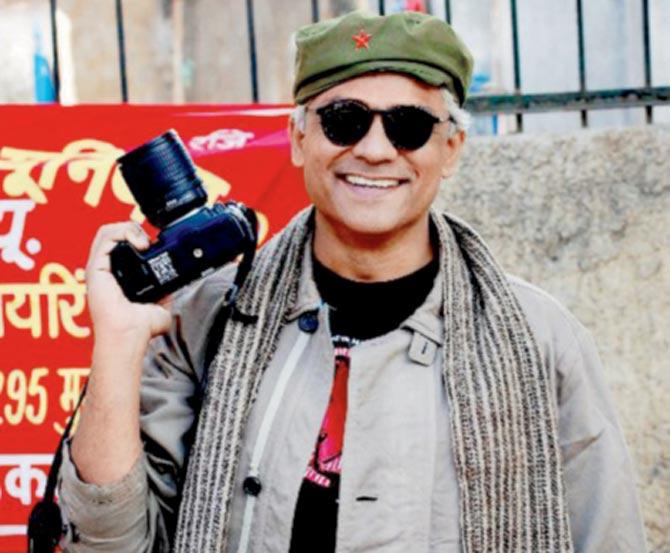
(586, 216)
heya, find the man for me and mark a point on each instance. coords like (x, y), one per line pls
(386, 387)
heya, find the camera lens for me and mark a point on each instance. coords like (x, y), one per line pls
(162, 178)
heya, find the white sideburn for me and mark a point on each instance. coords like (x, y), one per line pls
(264, 432)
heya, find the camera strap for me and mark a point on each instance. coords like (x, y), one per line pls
(228, 308)
(45, 524)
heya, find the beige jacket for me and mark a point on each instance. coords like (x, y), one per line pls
(398, 487)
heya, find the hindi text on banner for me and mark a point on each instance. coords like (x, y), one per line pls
(11, 242)
(73, 382)
(66, 300)
(18, 482)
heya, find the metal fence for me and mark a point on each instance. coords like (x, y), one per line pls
(517, 103)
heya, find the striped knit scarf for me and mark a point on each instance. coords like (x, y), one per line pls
(504, 425)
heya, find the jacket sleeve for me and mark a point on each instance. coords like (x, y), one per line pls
(600, 483)
(122, 516)
(138, 513)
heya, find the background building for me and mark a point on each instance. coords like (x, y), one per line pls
(199, 50)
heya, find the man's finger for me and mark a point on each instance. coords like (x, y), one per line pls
(160, 320)
(110, 235)
(130, 232)
(166, 302)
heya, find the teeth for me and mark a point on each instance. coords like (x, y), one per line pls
(374, 183)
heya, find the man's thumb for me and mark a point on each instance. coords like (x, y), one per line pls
(161, 319)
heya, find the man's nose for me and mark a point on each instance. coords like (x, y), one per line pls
(375, 146)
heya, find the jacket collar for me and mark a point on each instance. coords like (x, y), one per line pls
(427, 319)
(308, 295)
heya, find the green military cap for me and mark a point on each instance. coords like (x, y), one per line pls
(419, 45)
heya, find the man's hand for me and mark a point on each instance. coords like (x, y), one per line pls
(107, 442)
(114, 316)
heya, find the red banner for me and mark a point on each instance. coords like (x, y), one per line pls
(59, 183)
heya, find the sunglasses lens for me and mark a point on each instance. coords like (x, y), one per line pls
(345, 123)
(408, 127)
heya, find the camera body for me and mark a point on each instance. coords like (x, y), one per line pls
(188, 249)
(193, 241)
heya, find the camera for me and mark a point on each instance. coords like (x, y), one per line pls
(193, 240)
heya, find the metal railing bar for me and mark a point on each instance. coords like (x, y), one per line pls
(54, 48)
(382, 7)
(315, 11)
(121, 37)
(252, 51)
(568, 101)
(582, 60)
(517, 61)
(647, 55)
(447, 11)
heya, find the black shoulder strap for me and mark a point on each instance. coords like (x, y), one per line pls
(228, 308)
(45, 525)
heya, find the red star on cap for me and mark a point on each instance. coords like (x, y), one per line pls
(362, 39)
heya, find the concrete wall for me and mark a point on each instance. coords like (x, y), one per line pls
(88, 51)
(176, 50)
(17, 44)
(586, 216)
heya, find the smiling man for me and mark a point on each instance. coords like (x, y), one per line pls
(385, 386)
(374, 152)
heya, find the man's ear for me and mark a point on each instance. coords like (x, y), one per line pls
(297, 136)
(455, 148)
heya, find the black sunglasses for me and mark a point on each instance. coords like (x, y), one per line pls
(345, 122)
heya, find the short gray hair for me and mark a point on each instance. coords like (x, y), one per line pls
(459, 118)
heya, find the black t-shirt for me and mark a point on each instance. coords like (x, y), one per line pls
(358, 311)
